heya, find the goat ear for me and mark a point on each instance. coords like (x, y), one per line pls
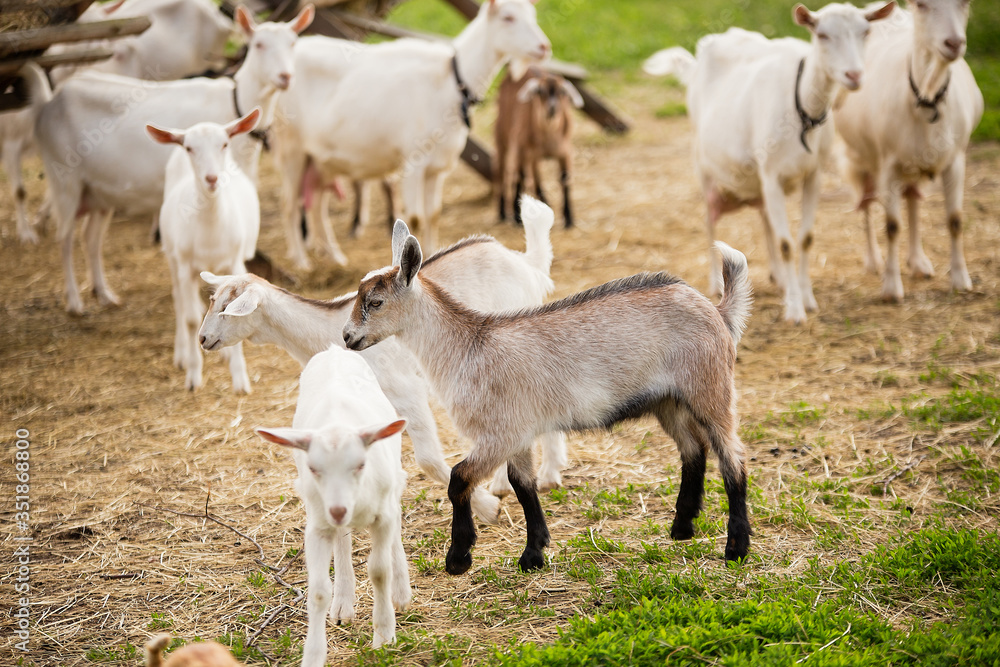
(244, 19)
(409, 261)
(881, 13)
(400, 232)
(529, 88)
(370, 436)
(804, 17)
(165, 136)
(244, 304)
(212, 279)
(113, 7)
(287, 437)
(574, 95)
(304, 19)
(245, 124)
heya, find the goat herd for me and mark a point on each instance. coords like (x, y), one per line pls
(186, 152)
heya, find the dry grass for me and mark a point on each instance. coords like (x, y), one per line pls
(111, 426)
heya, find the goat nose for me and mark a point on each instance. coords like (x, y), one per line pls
(853, 76)
(284, 79)
(201, 340)
(211, 179)
(954, 44)
(337, 514)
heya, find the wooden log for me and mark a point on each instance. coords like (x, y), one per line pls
(42, 38)
(47, 61)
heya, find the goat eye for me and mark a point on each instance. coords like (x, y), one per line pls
(375, 304)
(225, 145)
(357, 471)
(314, 471)
(188, 149)
(508, 19)
(823, 36)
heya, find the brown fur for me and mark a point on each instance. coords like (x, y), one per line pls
(199, 654)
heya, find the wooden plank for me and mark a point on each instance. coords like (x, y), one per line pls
(41, 38)
(467, 8)
(78, 57)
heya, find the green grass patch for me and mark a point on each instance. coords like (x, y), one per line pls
(821, 616)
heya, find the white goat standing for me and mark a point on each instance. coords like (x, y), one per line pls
(759, 108)
(479, 272)
(911, 122)
(346, 444)
(98, 159)
(648, 344)
(210, 219)
(343, 116)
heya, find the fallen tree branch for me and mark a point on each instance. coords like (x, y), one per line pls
(899, 473)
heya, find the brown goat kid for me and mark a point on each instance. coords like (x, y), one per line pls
(644, 345)
(534, 122)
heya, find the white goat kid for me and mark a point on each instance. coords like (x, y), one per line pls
(343, 113)
(346, 444)
(648, 344)
(97, 158)
(758, 108)
(210, 219)
(910, 123)
(479, 272)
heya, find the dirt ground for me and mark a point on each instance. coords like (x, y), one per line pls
(114, 437)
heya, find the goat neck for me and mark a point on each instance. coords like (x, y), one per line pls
(439, 331)
(930, 73)
(478, 61)
(817, 88)
(301, 326)
(251, 92)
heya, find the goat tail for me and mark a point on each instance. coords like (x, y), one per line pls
(39, 90)
(737, 293)
(538, 219)
(154, 650)
(675, 60)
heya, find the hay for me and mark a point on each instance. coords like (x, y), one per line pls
(113, 432)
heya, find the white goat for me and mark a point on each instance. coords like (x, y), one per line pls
(97, 158)
(346, 444)
(185, 37)
(343, 113)
(210, 219)
(758, 108)
(648, 344)
(912, 122)
(479, 272)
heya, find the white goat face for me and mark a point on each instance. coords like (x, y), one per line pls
(514, 30)
(269, 47)
(940, 25)
(384, 296)
(230, 317)
(839, 33)
(334, 462)
(207, 147)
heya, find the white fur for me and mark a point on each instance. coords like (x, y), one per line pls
(747, 146)
(891, 144)
(346, 444)
(367, 111)
(210, 220)
(98, 159)
(486, 276)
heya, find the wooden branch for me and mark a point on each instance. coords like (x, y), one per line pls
(41, 38)
(48, 61)
(467, 8)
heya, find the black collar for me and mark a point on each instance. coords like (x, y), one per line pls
(924, 103)
(261, 135)
(468, 99)
(808, 122)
